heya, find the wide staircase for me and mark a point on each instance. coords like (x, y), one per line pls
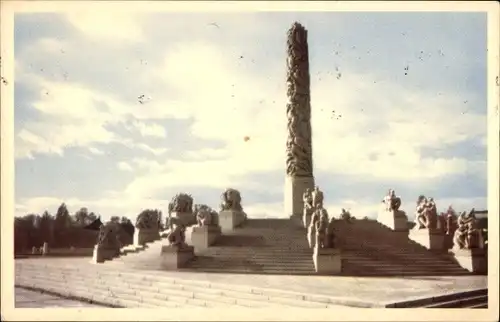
(371, 249)
(267, 246)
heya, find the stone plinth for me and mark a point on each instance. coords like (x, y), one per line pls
(174, 257)
(432, 239)
(102, 254)
(294, 192)
(327, 260)
(395, 220)
(143, 236)
(185, 218)
(202, 237)
(230, 219)
(474, 260)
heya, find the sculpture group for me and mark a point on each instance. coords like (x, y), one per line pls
(320, 231)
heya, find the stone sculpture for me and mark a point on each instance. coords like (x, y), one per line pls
(181, 203)
(345, 215)
(317, 198)
(205, 216)
(298, 147)
(108, 237)
(426, 213)
(450, 221)
(321, 226)
(467, 235)
(311, 229)
(330, 235)
(308, 206)
(231, 200)
(177, 234)
(391, 201)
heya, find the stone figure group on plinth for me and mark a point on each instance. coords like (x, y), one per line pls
(390, 214)
(147, 228)
(427, 231)
(108, 243)
(470, 244)
(181, 207)
(231, 214)
(467, 235)
(313, 200)
(320, 233)
(426, 215)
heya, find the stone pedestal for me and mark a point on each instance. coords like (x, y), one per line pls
(474, 260)
(432, 239)
(327, 260)
(174, 257)
(294, 192)
(395, 220)
(103, 254)
(143, 236)
(185, 218)
(230, 219)
(202, 237)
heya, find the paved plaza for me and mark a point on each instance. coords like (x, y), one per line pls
(357, 291)
(30, 299)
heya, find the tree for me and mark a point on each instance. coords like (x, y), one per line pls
(63, 219)
(114, 219)
(82, 217)
(92, 217)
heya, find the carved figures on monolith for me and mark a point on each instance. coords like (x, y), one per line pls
(298, 147)
(426, 213)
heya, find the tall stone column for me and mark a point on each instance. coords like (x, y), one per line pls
(299, 165)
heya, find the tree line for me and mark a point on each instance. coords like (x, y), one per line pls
(63, 230)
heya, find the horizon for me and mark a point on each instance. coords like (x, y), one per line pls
(120, 118)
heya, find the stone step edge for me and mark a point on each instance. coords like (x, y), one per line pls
(109, 301)
(426, 300)
(304, 296)
(461, 301)
(68, 297)
(80, 288)
(223, 298)
(142, 290)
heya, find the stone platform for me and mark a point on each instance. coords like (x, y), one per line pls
(216, 290)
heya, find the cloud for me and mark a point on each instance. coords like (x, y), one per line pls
(124, 166)
(94, 150)
(120, 26)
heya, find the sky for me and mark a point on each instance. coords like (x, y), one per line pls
(410, 89)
